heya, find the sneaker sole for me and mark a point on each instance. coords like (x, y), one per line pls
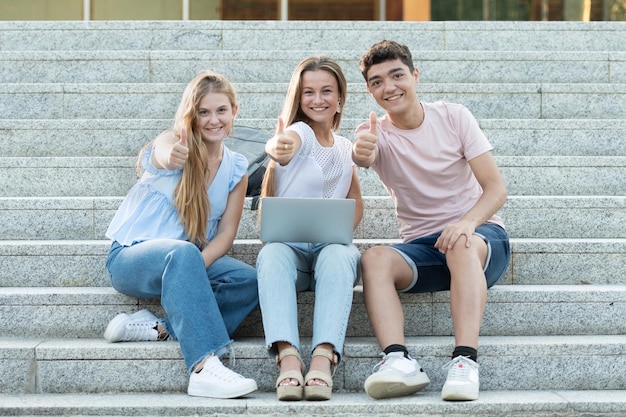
(459, 394)
(200, 392)
(389, 387)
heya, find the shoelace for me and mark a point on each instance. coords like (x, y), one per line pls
(456, 371)
(217, 369)
(380, 364)
(386, 362)
(140, 331)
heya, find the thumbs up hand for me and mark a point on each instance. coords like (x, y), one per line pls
(281, 147)
(179, 152)
(364, 147)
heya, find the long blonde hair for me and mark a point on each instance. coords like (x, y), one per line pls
(292, 111)
(190, 195)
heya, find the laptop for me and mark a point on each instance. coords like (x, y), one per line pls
(312, 220)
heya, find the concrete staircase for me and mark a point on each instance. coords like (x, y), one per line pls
(77, 101)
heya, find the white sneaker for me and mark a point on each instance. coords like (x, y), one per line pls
(396, 376)
(217, 381)
(462, 383)
(136, 327)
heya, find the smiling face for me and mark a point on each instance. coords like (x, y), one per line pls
(319, 99)
(393, 86)
(215, 117)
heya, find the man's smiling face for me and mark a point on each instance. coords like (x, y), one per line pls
(392, 85)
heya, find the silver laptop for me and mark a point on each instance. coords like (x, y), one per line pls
(313, 220)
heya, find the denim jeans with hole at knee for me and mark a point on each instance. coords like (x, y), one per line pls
(203, 305)
(286, 268)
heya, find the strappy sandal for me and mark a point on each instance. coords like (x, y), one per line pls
(320, 392)
(290, 392)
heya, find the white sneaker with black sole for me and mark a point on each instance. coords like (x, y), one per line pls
(462, 383)
(396, 376)
(136, 327)
(217, 381)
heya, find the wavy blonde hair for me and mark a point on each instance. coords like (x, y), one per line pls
(190, 195)
(292, 111)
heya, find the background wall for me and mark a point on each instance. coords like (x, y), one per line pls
(416, 10)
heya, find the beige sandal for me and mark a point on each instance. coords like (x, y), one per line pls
(320, 392)
(290, 392)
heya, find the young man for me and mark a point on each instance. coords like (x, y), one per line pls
(436, 163)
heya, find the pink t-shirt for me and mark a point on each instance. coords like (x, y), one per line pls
(426, 169)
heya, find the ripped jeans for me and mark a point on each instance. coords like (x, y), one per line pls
(204, 306)
(331, 270)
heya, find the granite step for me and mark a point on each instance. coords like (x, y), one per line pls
(512, 310)
(114, 176)
(124, 137)
(307, 36)
(243, 66)
(538, 217)
(68, 366)
(535, 261)
(264, 100)
(544, 176)
(496, 403)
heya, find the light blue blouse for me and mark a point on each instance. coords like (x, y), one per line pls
(148, 211)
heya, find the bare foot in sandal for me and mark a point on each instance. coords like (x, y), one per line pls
(322, 364)
(289, 363)
(319, 379)
(290, 383)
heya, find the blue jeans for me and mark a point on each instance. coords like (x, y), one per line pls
(204, 306)
(331, 270)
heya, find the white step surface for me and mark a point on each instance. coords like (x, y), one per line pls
(274, 35)
(524, 310)
(558, 217)
(62, 366)
(124, 137)
(262, 66)
(264, 100)
(497, 403)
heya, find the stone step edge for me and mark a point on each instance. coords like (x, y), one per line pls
(370, 202)
(504, 353)
(124, 137)
(527, 294)
(356, 26)
(279, 88)
(297, 54)
(101, 247)
(43, 349)
(95, 162)
(566, 403)
(270, 124)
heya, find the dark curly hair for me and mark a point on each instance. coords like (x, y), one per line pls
(382, 51)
